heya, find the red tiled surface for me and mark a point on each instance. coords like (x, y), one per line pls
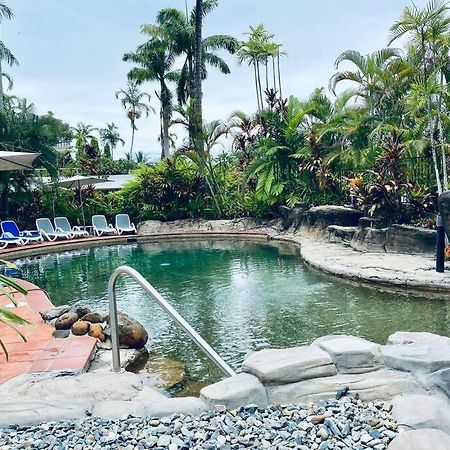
(41, 352)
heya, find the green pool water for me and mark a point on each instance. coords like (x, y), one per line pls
(240, 296)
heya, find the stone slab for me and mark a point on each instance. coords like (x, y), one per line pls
(352, 354)
(421, 411)
(280, 366)
(381, 385)
(239, 390)
(421, 440)
(424, 358)
(407, 337)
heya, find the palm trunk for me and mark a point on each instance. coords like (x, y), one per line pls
(267, 74)
(273, 73)
(256, 87)
(198, 113)
(132, 137)
(279, 75)
(441, 138)
(259, 85)
(2, 107)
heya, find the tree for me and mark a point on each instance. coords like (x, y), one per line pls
(133, 101)
(83, 134)
(154, 60)
(110, 136)
(180, 28)
(198, 94)
(427, 28)
(5, 54)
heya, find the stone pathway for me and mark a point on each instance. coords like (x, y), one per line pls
(41, 352)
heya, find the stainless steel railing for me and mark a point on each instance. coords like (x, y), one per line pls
(165, 305)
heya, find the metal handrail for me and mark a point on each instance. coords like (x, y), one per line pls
(165, 305)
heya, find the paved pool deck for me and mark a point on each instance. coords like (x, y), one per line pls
(41, 352)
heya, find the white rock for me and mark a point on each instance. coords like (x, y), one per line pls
(425, 358)
(421, 440)
(352, 354)
(372, 386)
(239, 390)
(440, 380)
(421, 411)
(289, 365)
(406, 337)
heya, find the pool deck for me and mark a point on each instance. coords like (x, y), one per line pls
(41, 352)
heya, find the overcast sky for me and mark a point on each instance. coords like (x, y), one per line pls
(70, 52)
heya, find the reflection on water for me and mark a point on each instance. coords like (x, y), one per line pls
(240, 296)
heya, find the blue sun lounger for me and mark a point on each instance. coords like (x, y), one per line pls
(10, 228)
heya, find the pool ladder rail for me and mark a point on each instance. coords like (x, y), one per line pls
(167, 307)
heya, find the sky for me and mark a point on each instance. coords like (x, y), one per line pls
(70, 53)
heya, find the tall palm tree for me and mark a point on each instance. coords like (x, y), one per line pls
(83, 134)
(198, 94)
(5, 53)
(133, 101)
(110, 136)
(426, 28)
(154, 60)
(181, 29)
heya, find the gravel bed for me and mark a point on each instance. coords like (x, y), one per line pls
(346, 423)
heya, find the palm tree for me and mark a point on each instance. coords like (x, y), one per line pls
(180, 28)
(258, 50)
(198, 58)
(83, 134)
(110, 136)
(154, 60)
(133, 101)
(5, 53)
(427, 28)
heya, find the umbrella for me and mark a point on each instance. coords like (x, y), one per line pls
(17, 160)
(77, 182)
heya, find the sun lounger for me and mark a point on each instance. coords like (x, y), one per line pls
(101, 226)
(7, 239)
(63, 224)
(47, 231)
(124, 225)
(10, 228)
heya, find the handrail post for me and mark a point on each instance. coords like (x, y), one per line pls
(167, 307)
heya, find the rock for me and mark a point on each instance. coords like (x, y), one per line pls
(96, 331)
(342, 235)
(129, 358)
(380, 385)
(54, 313)
(80, 327)
(131, 333)
(238, 390)
(65, 321)
(422, 358)
(163, 373)
(369, 240)
(352, 354)
(319, 218)
(93, 317)
(406, 337)
(81, 310)
(410, 240)
(421, 440)
(440, 380)
(421, 411)
(292, 217)
(61, 334)
(289, 365)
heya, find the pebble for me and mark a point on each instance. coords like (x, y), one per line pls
(337, 424)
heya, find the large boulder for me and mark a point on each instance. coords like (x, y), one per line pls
(292, 217)
(93, 317)
(352, 354)
(131, 333)
(80, 328)
(410, 240)
(289, 365)
(340, 235)
(428, 439)
(421, 358)
(54, 313)
(319, 218)
(238, 390)
(165, 373)
(65, 321)
(416, 337)
(381, 385)
(369, 240)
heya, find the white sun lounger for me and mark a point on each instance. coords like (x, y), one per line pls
(47, 231)
(63, 224)
(101, 226)
(124, 225)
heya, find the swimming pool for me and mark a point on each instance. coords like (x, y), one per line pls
(239, 295)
